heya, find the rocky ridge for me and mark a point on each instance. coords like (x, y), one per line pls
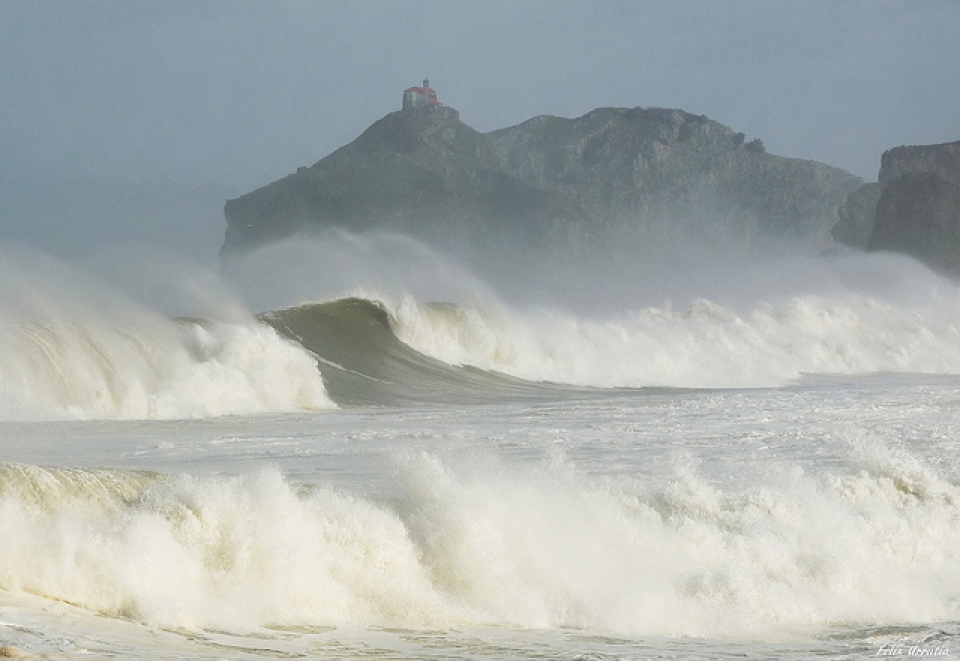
(424, 172)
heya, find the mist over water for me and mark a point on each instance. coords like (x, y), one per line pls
(627, 271)
(320, 267)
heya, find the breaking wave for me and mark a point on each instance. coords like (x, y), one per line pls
(71, 348)
(550, 547)
(385, 349)
(399, 350)
(703, 345)
(55, 368)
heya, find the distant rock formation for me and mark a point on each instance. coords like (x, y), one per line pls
(424, 172)
(420, 171)
(856, 217)
(942, 159)
(914, 208)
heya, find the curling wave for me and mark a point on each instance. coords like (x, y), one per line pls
(364, 362)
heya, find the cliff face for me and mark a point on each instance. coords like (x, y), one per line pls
(914, 209)
(856, 217)
(919, 207)
(422, 171)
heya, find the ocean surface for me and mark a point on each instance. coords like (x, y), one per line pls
(419, 460)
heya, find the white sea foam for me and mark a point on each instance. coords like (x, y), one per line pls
(703, 344)
(71, 348)
(541, 547)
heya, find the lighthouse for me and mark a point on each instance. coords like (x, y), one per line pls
(420, 97)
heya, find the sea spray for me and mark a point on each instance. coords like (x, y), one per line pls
(330, 264)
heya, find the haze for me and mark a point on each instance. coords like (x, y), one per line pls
(132, 122)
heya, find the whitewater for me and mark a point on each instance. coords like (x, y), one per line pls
(363, 447)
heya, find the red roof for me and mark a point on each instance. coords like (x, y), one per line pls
(427, 92)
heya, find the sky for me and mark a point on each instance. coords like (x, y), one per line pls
(132, 121)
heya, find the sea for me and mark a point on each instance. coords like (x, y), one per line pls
(356, 446)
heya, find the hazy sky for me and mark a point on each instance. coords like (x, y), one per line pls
(142, 115)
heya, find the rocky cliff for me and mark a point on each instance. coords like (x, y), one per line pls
(919, 207)
(942, 160)
(424, 172)
(914, 208)
(856, 217)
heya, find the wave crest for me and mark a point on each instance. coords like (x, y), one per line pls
(702, 345)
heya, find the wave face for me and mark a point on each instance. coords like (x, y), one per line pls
(364, 362)
(545, 547)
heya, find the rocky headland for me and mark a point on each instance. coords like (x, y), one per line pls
(914, 208)
(423, 172)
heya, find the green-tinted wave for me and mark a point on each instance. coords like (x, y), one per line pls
(363, 362)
